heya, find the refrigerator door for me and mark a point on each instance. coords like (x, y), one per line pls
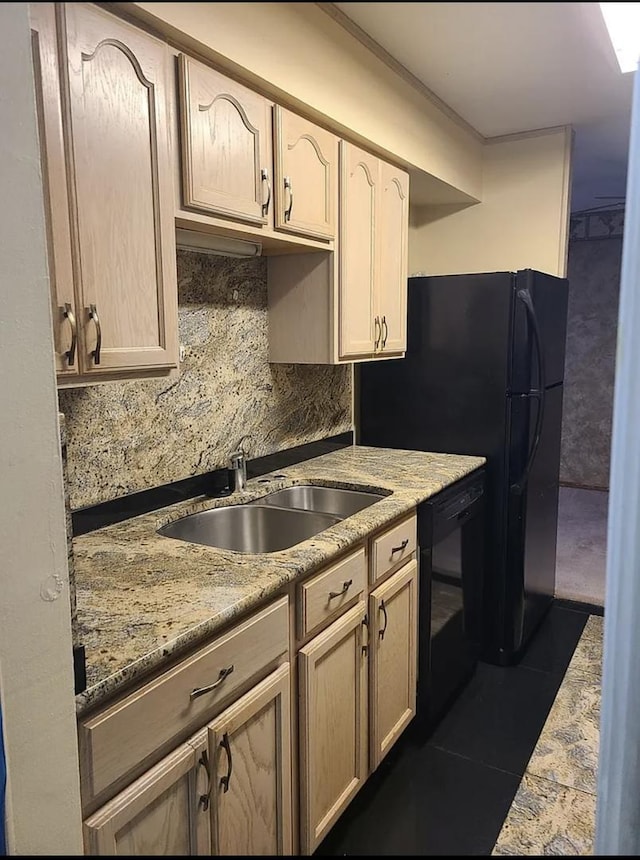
(532, 510)
(448, 394)
(549, 297)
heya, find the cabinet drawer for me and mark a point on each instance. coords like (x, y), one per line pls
(120, 738)
(321, 596)
(393, 546)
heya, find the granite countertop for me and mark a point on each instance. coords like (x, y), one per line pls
(143, 599)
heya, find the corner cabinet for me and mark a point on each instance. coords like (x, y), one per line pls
(351, 305)
(105, 153)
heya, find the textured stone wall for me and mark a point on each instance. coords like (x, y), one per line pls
(128, 436)
(594, 284)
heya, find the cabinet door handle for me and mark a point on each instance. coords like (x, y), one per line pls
(226, 746)
(382, 608)
(204, 799)
(264, 175)
(400, 548)
(93, 315)
(365, 624)
(377, 331)
(68, 313)
(288, 185)
(200, 691)
(385, 329)
(345, 587)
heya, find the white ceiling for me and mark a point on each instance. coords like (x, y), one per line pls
(512, 67)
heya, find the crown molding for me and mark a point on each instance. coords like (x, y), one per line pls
(376, 48)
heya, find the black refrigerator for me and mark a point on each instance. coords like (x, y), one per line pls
(483, 374)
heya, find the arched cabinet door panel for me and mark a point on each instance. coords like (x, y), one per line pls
(306, 190)
(359, 331)
(393, 232)
(121, 192)
(226, 146)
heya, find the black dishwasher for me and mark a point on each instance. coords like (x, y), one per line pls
(451, 541)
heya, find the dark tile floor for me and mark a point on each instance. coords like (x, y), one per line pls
(450, 794)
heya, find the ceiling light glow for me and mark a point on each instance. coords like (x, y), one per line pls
(623, 24)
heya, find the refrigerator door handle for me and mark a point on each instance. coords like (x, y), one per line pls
(539, 394)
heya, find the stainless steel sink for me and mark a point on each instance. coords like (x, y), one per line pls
(249, 528)
(328, 500)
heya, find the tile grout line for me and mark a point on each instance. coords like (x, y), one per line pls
(476, 761)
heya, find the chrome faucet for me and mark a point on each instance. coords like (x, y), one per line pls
(238, 468)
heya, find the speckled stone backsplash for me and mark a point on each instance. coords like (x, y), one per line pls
(128, 436)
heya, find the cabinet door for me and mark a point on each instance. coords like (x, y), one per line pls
(155, 815)
(393, 610)
(392, 230)
(250, 746)
(54, 174)
(333, 724)
(358, 191)
(306, 176)
(123, 195)
(226, 145)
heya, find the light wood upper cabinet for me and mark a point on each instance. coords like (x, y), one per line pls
(333, 724)
(226, 145)
(121, 194)
(351, 304)
(393, 610)
(54, 171)
(358, 192)
(306, 168)
(155, 815)
(250, 747)
(374, 201)
(392, 230)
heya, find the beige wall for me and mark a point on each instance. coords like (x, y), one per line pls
(36, 675)
(297, 53)
(522, 221)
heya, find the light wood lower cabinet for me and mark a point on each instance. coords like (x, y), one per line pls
(226, 791)
(393, 610)
(250, 750)
(333, 723)
(155, 815)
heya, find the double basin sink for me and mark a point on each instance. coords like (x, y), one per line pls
(274, 522)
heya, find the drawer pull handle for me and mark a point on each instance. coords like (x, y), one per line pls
(226, 746)
(385, 330)
(382, 608)
(377, 332)
(200, 691)
(203, 800)
(345, 587)
(400, 548)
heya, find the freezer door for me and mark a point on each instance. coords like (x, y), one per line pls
(549, 298)
(532, 514)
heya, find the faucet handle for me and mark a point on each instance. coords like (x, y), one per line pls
(237, 458)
